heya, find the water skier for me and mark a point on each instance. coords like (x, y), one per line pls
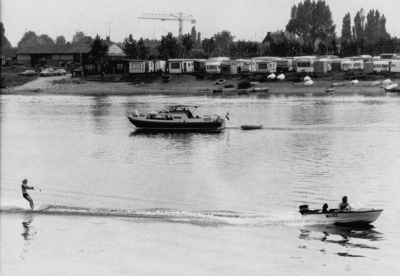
(25, 194)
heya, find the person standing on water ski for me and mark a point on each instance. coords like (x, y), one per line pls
(25, 194)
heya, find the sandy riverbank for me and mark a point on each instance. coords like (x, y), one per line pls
(185, 84)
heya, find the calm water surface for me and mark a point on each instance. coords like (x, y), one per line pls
(86, 158)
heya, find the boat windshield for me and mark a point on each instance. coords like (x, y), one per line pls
(183, 109)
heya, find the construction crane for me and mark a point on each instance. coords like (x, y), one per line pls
(176, 16)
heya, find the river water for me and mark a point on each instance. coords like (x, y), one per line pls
(125, 202)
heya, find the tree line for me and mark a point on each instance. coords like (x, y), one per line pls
(310, 30)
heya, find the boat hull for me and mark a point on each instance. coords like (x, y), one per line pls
(363, 216)
(144, 124)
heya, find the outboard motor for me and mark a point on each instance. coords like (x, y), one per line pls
(303, 209)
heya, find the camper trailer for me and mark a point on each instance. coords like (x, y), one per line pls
(381, 65)
(347, 65)
(263, 66)
(395, 66)
(388, 56)
(243, 65)
(213, 67)
(305, 65)
(177, 66)
(136, 66)
(358, 65)
(283, 65)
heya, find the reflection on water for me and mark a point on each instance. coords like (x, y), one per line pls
(351, 238)
(28, 233)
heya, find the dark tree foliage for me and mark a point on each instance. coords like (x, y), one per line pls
(187, 42)
(346, 27)
(223, 39)
(4, 43)
(131, 48)
(80, 38)
(60, 40)
(99, 49)
(322, 49)
(30, 39)
(311, 21)
(198, 41)
(208, 45)
(169, 47)
(45, 40)
(143, 49)
(359, 25)
(193, 34)
(375, 26)
(333, 47)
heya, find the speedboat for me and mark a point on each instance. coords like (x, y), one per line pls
(177, 118)
(334, 216)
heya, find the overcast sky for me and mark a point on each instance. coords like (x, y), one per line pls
(245, 19)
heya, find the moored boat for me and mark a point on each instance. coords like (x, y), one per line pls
(336, 84)
(330, 89)
(220, 81)
(334, 216)
(374, 83)
(218, 90)
(261, 89)
(177, 118)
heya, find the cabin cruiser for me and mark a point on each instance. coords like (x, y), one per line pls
(334, 216)
(177, 118)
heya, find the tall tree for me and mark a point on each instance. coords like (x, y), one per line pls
(131, 48)
(346, 27)
(193, 34)
(187, 42)
(223, 39)
(208, 45)
(375, 27)
(60, 40)
(312, 21)
(169, 46)
(4, 43)
(143, 49)
(99, 49)
(359, 25)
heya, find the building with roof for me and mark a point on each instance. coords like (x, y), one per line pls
(58, 55)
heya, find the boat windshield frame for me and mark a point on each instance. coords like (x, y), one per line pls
(182, 108)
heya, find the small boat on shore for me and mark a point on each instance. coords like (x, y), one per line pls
(251, 127)
(334, 216)
(390, 87)
(260, 89)
(220, 81)
(177, 118)
(218, 90)
(330, 89)
(336, 84)
(374, 83)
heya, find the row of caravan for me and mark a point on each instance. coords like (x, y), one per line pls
(309, 64)
(267, 65)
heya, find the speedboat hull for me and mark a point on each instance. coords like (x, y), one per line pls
(192, 125)
(361, 216)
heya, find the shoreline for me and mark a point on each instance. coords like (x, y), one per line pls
(66, 85)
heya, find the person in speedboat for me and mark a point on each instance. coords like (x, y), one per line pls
(344, 206)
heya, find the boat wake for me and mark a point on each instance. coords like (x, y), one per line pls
(201, 218)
